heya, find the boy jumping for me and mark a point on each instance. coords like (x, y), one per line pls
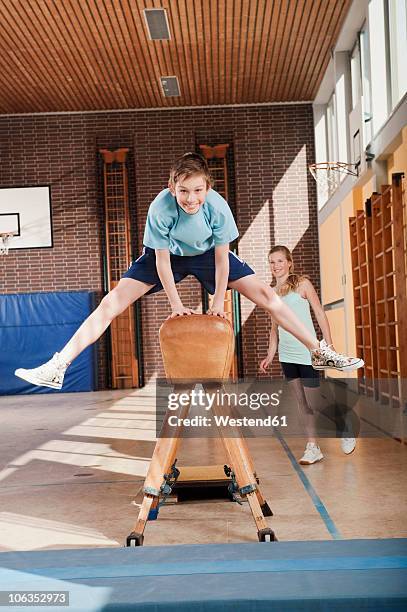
(188, 230)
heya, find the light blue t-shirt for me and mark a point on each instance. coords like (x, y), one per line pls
(170, 227)
(291, 350)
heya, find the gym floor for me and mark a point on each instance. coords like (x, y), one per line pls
(72, 467)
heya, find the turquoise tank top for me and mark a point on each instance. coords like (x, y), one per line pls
(291, 350)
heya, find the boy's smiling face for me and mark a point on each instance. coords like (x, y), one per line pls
(190, 192)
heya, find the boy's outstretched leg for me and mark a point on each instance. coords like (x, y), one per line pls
(51, 374)
(322, 355)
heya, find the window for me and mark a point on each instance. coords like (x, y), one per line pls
(366, 84)
(331, 128)
(379, 63)
(342, 105)
(356, 75)
(332, 141)
(397, 16)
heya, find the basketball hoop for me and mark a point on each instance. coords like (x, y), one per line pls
(328, 174)
(5, 243)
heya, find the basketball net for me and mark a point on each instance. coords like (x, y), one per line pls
(5, 243)
(329, 175)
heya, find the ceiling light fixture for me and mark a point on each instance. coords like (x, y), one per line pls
(170, 86)
(157, 24)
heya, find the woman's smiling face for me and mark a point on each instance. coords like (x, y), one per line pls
(279, 265)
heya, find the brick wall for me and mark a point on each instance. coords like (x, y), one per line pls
(272, 192)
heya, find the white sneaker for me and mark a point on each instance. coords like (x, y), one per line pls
(312, 454)
(348, 445)
(325, 357)
(50, 374)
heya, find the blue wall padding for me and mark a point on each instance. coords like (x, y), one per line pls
(33, 326)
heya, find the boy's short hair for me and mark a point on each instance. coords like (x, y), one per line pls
(189, 164)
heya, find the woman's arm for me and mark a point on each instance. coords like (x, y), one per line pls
(273, 343)
(307, 290)
(163, 264)
(221, 280)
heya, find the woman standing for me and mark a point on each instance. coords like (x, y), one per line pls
(298, 293)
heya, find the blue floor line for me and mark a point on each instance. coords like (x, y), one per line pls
(316, 500)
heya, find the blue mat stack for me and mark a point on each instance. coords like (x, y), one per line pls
(331, 576)
(33, 326)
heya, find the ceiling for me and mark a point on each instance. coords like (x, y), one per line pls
(82, 55)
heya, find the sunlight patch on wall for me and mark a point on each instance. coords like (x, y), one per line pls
(258, 232)
(291, 218)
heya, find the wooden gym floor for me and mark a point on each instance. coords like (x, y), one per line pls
(72, 468)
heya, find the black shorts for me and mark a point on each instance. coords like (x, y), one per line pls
(200, 266)
(309, 376)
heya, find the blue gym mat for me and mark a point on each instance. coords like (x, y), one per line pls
(326, 576)
(35, 325)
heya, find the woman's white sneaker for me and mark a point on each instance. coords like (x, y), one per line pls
(325, 358)
(348, 445)
(50, 374)
(312, 454)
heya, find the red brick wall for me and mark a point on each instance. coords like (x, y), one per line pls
(271, 147)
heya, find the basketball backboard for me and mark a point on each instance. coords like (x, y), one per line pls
(25, 212)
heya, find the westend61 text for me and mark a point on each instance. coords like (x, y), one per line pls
(206, 400)
(227, 421)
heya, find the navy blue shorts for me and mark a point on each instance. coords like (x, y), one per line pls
(201, 266)
(309, 376)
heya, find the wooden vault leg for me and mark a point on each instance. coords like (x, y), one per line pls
(163, 458)
(242, 467)
(245, 454)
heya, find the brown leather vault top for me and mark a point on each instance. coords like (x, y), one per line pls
(197, 347)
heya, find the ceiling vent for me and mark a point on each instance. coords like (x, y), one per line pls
(157, 24)
(170, 86)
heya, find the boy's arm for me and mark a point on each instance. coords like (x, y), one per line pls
(163, 264)
(221, 280)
